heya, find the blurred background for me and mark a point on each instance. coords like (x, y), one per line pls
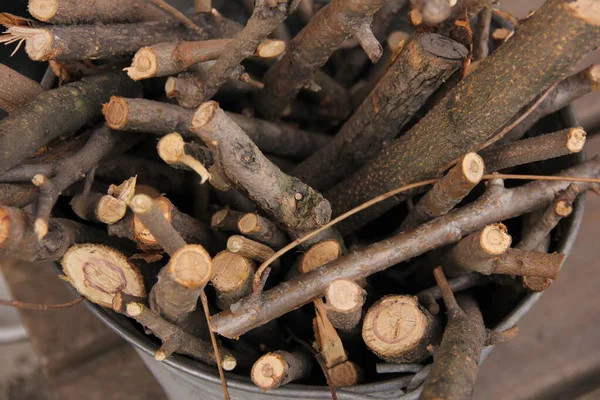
(68, 354)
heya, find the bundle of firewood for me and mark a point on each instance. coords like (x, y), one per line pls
(295, 189)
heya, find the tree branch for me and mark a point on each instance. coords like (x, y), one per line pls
(502, 204)
(311, 48)
(422, 66)
(16, 90)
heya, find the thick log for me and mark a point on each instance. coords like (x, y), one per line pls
(398, 329)
(344, 304)
(58, 112)
(496, 206)
(462, 119)
(286, 199)
(16, 90)
(141, 115)
(422, 66)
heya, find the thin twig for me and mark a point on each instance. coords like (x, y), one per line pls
(178, 15)
(40, 307)
(213, 339)
(382, 197)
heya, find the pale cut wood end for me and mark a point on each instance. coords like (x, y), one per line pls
(270, 48)
(171, 87)
(99, 272)
(144, 64)
(116, 113)
(320, 254)
(249, 223)
(576, 139)
(191, 266)
(344, 295)
(394, 325)
(204, 114)
(110, 209)
(268, 372)
(494, 239)
(563, 208)
(171, 148)
(587, 10)
(38, 44)
(472, 167)
(231, 271)
(43, 10)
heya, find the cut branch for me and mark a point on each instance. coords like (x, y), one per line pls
(398, 330)
(226, 220)
(286, 199)
(539, 148)
(262, 230)
(157, 222)
(344, 303)
(249, 248)
(422, 66)
(141, 115)
(172, 149)
(98, 207)
(16, 90)
(561, 207)
(98, 41)
(311, 48)
(99, 272)
(327, 341)
(462, 119)
(173, 338)
(180, 283)
(73, 12)
(488, 252)
(447, 192)
(17, 195)
(456, 361)
(58, 112)
(232, 278)
(497, 206)
(267, 15)
(280, 367)
(171, 58)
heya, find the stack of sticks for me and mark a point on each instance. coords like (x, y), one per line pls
(197, 147)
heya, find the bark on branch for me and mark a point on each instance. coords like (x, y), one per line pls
(312, 47)
(266, 17)
(422, 66)
(141, 115)
(539, 148)
(462, 119)
(290, 202)
(447, 192)
(18, 237)
(16, 90)
(98, 41)
(73, 12)
(58, 112)
(496, 206)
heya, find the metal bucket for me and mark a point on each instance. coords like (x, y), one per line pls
(183, 378)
